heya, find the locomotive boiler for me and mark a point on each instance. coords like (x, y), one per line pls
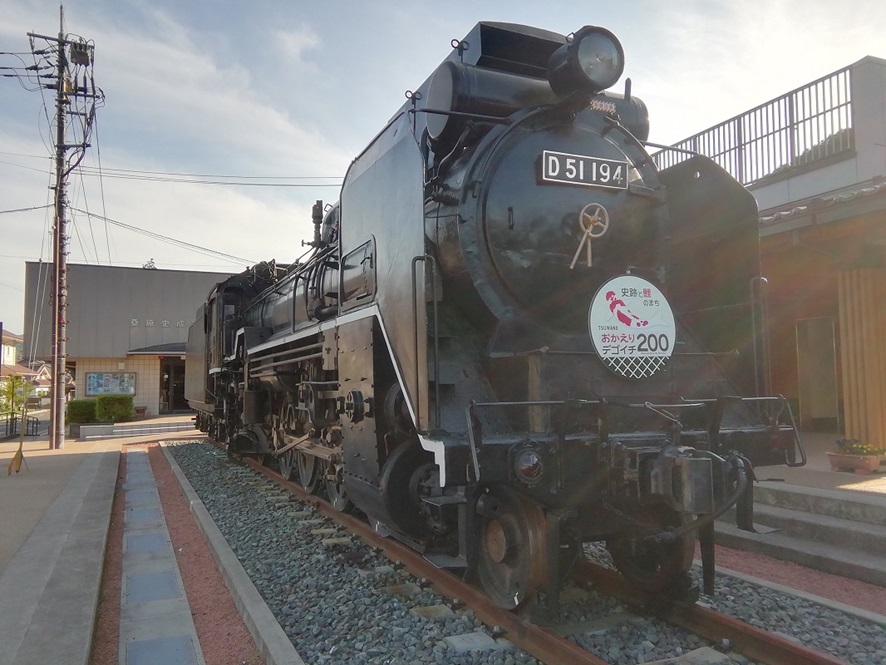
(513, 334)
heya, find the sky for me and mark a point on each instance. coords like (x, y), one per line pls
(285, 93)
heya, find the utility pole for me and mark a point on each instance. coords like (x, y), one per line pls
(72, 57)
(60, 283)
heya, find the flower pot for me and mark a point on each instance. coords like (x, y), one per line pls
(861, 464)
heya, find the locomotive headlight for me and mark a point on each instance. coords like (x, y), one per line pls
(528, 466)
(592, 61)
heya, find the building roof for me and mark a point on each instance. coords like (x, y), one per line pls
(802, 212)
(18, 370)
(11, 337)
(170, 349)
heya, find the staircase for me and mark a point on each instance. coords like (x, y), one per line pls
(836, 531)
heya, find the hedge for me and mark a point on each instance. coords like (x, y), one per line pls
(81, 411)
(114, 408)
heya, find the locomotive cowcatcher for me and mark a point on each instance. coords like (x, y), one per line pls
(513, 334)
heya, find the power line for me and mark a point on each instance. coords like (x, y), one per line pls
(234, 181)
(219, 175)
(157, 236)
(101, 186)
(6, 212)
(196, 178)
(11, 286)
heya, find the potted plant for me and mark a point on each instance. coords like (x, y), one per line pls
(853, 455)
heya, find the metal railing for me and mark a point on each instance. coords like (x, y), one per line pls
(9, 423)
(802, 127)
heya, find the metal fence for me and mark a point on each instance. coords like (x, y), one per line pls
(801, 127)
(9, 423)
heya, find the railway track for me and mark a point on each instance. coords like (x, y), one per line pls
(752, 642)
(544, 642)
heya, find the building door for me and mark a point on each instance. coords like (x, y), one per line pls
(817, 367)
(172, 384)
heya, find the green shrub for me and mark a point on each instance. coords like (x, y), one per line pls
(81, 411)
(114, 408)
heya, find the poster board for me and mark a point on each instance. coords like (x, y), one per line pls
(110, 383)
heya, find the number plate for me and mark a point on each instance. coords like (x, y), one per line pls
(561, 167)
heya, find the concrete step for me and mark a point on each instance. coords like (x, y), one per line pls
(91, 432)
(856, 506)
(843, 561)
(836, 531)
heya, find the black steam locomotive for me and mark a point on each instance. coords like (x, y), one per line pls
(513, 334)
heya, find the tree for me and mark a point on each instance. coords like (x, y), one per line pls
(12, 392)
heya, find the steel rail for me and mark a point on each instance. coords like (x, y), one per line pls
(752, 642)
(536, 640)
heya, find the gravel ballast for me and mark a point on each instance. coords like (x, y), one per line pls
(341, 602)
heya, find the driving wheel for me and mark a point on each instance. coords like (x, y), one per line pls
(309, 471)
(335, 488)
(286, 423)
(286, 462)
(511, 557)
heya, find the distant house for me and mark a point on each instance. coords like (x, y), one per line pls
(11, 345)
(12, 366)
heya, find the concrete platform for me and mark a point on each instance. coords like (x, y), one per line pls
(818, 473)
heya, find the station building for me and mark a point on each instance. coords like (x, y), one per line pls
(126, 329)
(815, 160)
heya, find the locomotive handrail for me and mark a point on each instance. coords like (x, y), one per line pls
(464, 114)
(544, 351)
(288, 352)
(652, 405)
(785, 405)
(775, 421)
(294, 272)
(760, 335)
(262, 367)
(474, 426)
(426, 258)
(661, 146)
(541, 402)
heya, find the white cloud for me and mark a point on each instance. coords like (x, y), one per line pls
(293, 44)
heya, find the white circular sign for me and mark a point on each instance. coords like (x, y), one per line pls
(632, 326)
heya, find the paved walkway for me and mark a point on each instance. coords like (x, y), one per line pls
(49, 586)
(155, 620)
(54, 518)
